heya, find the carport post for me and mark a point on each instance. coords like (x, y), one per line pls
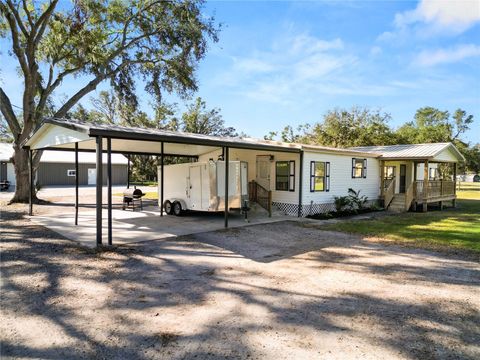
(109, 184)
(30, 194)
(300, 182)
(99, 174)
(162, 178)
(226, 162)
(76, 183)
(128, 171)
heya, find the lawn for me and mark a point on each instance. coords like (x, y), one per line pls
(457, 228)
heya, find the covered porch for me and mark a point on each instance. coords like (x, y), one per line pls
(411, 183)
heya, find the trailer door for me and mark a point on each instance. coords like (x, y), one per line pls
(195, 191)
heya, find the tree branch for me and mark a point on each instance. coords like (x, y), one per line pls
(7, 112)
(15, 39)
(15, 13)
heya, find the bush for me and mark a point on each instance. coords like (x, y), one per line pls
(357, 201)
(341, 202)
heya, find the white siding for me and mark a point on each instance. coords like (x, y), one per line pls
(421, 167)
(409, 173)
(250, 156)
(446, 155)
(11, 173)
(340, 178)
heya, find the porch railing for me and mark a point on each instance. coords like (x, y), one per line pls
(436, 189)
(260, 195)
(409, 196)
(389, 191)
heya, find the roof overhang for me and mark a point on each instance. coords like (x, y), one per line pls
(55, 134)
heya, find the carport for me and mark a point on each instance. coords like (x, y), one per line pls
(71, 135)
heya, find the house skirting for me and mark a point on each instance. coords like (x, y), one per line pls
(311, 209)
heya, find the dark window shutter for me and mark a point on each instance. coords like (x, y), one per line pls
(327, 176)
(291, 178)
(364, 168)
(312, 176)
(353, 168)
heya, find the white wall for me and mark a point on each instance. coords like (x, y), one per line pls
(446, 155)
(11, 173)
(340, 178)
(409, 173)
(421, 167)
(250, 156)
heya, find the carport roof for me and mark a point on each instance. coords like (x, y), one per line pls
(64, 133)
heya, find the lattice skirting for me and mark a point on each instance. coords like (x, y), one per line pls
(310, 209)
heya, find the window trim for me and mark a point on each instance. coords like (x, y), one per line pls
(326, 176)
(394, 172)
(363, 174)
(71, 173)
(291, 175)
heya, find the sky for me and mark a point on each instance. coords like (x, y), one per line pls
(281, 63)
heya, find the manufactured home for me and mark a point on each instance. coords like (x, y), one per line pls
(298, 179)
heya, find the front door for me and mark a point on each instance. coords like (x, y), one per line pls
(92, 176)
(195, 187)
(403, 177)
(263, 171)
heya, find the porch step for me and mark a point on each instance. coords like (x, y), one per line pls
(397, 204)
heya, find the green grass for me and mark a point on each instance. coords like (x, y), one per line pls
(457, 228)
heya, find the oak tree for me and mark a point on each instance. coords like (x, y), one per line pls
(159, 42)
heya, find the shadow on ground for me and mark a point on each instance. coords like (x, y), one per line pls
(265, 291)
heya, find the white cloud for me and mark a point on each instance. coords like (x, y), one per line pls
(375, 50)
(294, 64)
(432, 17)
(444, 56)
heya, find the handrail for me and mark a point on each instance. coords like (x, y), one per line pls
(436, 188)
(389, 191)
(261, 196)
(409, 195)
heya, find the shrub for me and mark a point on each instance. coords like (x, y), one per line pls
(342, 202)
(358, 201)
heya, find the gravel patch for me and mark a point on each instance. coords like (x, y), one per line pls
(276, 291)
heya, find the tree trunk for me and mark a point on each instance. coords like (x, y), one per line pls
(22, 176)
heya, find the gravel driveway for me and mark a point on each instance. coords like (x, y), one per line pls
(276, 291)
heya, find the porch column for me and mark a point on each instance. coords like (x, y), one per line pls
(226, 162)
(162, 179)
(382, 179)
(128, 171)
(415, 185)
(109, 186)
(425, 185)
(454, 201)
(76, 183)
(99, 182)
(300, 182)
(30, 173)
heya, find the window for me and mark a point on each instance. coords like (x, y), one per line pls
(319, 176)
(70, 172)
(389, 172)
(359, 168)
(434, 174)
(285, 176)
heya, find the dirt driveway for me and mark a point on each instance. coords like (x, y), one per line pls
(277, 291)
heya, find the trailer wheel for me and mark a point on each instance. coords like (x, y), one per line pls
(167, 206)
(177, 208)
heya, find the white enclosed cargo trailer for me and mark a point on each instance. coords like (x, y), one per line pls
(200, 186)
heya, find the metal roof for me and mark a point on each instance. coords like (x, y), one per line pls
(411, 151)
(141, 140)
(68, 157)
